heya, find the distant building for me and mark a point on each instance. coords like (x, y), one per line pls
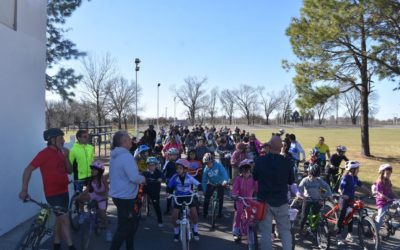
(22, 103)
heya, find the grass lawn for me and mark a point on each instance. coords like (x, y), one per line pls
(384, 142)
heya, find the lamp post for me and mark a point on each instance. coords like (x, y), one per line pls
(175, 110)
(158, 105)
(137, 61)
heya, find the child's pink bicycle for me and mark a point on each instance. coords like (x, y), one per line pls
(252, 212)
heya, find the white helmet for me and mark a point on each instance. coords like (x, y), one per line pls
(385, 166)
(281, 131)
(352, 164)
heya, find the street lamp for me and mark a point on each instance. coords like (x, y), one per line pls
(175, 110)
(158, 105)
(137, 61)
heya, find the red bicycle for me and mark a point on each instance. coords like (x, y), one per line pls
(366, 228)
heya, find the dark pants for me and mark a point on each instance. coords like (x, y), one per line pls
(207, 197)
(332, 176)
(343, 205)
(308, 205)
(156, 204)
(128, 223)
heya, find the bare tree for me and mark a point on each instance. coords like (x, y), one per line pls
(98, 75)
(227, 100)
(192, 96)
(322, 109)
(122, 96)
(212, 104)
(287, 98)
(351, 100)
(270, 103)
(245, 98)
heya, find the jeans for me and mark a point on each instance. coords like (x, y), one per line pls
(155, 200)
(128, 222)
(280, 214)
(381, 213)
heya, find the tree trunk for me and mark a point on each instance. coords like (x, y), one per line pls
(126, 123)
(267, 120)
(119, 122)
(230, 120)
(354, 120)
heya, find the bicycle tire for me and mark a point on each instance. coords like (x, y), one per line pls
(333, 216)
(30, 239)
(214, 214)
(86, 233)
(183, 236)
(323, 236)
(367, 229)
(74, 213)
(385, 230)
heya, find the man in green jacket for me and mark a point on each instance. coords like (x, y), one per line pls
(81, 156)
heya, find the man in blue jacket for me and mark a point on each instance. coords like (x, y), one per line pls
(214, 177)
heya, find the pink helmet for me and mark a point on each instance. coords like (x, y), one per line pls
(183, 162)
(383, 167)
(97, 165)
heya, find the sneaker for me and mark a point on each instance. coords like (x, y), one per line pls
(349, 238)
(341, 243)
(160, 225)
(176, 237)
(196, 236)
(108, 236)
(81, 219)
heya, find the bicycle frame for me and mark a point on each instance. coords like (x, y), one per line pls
(356, 206)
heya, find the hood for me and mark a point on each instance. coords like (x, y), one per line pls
(119, 151)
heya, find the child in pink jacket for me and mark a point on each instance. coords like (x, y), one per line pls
(245, 186)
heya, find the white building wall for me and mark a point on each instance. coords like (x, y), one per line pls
(22, 106)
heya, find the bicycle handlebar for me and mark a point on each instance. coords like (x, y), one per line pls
(175, 197)
(46, 206)
(243, 199)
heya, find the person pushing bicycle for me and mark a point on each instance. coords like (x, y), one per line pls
(54, 166)
(214, 178)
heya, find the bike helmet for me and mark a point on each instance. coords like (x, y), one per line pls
(352, 165)
(183, 162)
(207, 158)
(385, 166)
(314, 170)
(245, 164)
(173, 151)
(97, 165)
(51, 133)
(314, 152)
(200, 138)
(281, 131)
(341, 148)
(152, 161)
(143, 148)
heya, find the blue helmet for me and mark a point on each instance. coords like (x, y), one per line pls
(314, 151)
(143, 148)
(152, 161)
(51, 133)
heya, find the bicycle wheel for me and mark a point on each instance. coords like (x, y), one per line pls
(74, 213)
(31, 239)
(293, 237)
(214, 213)
(367, 233)
(184, 238)
(386, 229)
(328, 212)
(323, 237)
(86, 233)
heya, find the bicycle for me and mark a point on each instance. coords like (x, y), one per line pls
(90, 223)
(39, 227)
(391, 221)
(292, 213)
(317, 226)
(366, 228)
(185, 233)
(248, 222)
(214, 203)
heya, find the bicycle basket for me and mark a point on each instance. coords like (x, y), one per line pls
(293, 214)
(258, 209)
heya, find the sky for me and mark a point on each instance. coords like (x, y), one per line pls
(231, 42)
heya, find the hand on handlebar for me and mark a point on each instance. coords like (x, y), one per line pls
(23, 195)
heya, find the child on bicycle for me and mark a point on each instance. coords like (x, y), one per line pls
(245, 186)
(154, 178)
(214, 178)
(141, 154)
(181, 184)
(347, 187)
(312, 188)
(98, 190)
(332, 172)
(196, 167)
(169, 170)
(384, 193)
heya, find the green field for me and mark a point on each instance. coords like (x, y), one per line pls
(385, 147)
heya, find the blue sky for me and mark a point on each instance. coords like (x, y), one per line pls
(229, 41)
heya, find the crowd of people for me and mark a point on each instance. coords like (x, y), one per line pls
(203, 159)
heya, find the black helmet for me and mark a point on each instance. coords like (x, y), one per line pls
(52, 132)
(313, 170)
